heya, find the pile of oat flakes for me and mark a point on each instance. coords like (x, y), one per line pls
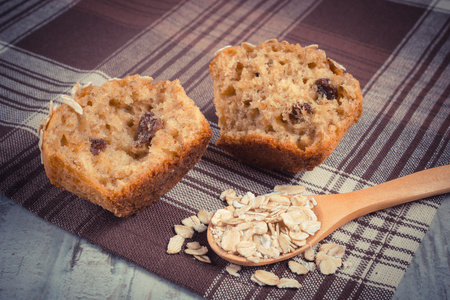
(261, 227)
(267, 226)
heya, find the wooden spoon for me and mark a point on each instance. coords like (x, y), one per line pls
(333, 211)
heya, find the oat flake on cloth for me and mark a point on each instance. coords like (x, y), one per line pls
(399, 50)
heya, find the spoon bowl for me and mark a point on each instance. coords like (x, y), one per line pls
(333, 211)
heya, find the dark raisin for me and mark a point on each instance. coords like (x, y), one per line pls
(256, 74)
(147, 128)
(298, 109)
(97, 146)
(324, 88)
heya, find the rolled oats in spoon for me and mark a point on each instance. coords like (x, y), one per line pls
(260, 230)
(266, 226)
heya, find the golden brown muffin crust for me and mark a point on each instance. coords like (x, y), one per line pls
(282, 106)
(125, 143)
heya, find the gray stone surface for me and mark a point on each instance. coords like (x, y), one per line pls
(428, 276)
(38, 260)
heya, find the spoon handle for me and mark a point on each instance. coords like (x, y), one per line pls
(416, 186)
(333, 211)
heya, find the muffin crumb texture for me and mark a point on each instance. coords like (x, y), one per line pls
(282, 106)
(133, 141)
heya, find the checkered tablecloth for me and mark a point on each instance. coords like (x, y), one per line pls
(398, 50)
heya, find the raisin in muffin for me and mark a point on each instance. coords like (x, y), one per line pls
(281, 106)
(125, 143)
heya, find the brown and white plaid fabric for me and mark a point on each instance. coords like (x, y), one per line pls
(399, 50)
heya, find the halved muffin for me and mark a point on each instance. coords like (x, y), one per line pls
(125, 143)
(282, 106)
